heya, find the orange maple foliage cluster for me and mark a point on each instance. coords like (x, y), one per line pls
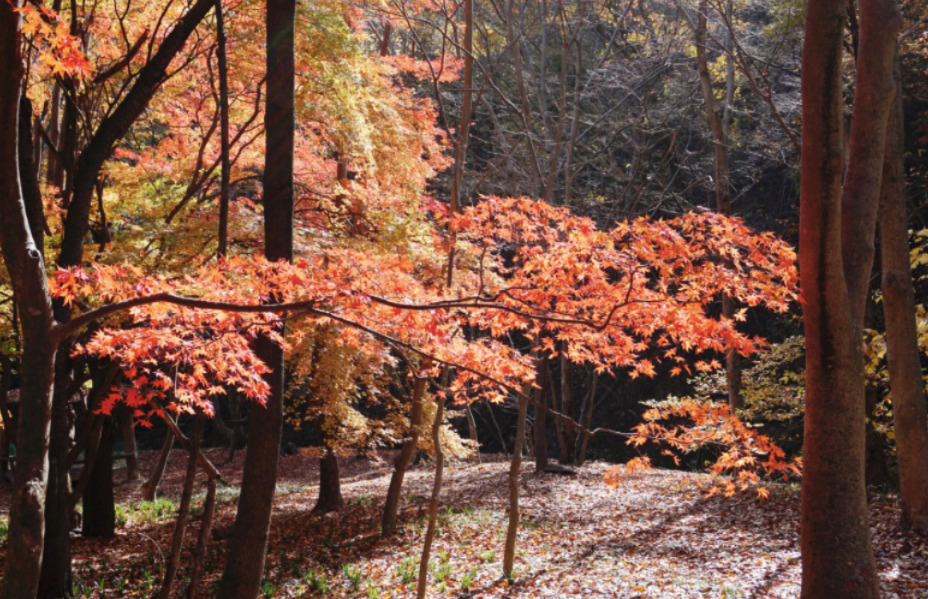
(524, 266)
(746, 455)
(59, 51)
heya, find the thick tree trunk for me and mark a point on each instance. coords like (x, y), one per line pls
(836, 256)
(99, 501)
(114, 127)
(330, 487)
(402, 461)
(56, 559)
(26, 269)
(248, 546)
(902, 353)
(515, 466)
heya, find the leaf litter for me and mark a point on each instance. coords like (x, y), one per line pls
(655, 535)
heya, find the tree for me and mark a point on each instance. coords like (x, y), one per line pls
(248, 547)
(837, 224)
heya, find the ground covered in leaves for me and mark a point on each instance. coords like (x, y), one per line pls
(654, 536)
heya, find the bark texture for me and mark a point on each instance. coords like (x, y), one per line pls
(836, 254)
(905, 371)
(26, 268)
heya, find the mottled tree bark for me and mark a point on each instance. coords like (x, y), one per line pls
(836, 254)
(902, 353)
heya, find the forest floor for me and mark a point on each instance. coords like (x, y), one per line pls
(655, 535)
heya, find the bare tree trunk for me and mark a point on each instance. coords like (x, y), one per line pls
(401, 464)
(583, 438)
(128, 441)
(722, 187)
(565, 439)
(226, 165)
(330, 488)
(150, 488)
(99, 500)
(515, 465)
(183, 512)
(433, 502)
(199, 554)
(540, 424)
(902, 353)
(836, 254)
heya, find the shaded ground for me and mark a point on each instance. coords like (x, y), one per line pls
(654, 536)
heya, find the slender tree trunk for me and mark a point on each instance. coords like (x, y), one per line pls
(902, 353)
(225, 176)
(128, 440)
(722, 186)
(565, 437)
(330, 487)
(515, 465)
(402, 461)
(836, 254)
(183, 513)
(433, 502)
(540, 424)
(583, 439)
(199, 554)
(248, 546)
(150, 488)
(26, 269)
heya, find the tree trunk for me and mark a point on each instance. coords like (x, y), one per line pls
(902, 355)
(223, 69)
(56, 576)
(26, 269)
(515, 465)
(128, 440)
(565, 432)
(402, 461)
(248, 546)
(540, 424)
(722, 187)
(114, 127)
(433, 502)
(99, 501)
(183, 513)
(150, 488)
(836, 255)
(196, 567)
(330, 488)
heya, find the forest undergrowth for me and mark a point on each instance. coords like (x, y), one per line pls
(655, 535)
